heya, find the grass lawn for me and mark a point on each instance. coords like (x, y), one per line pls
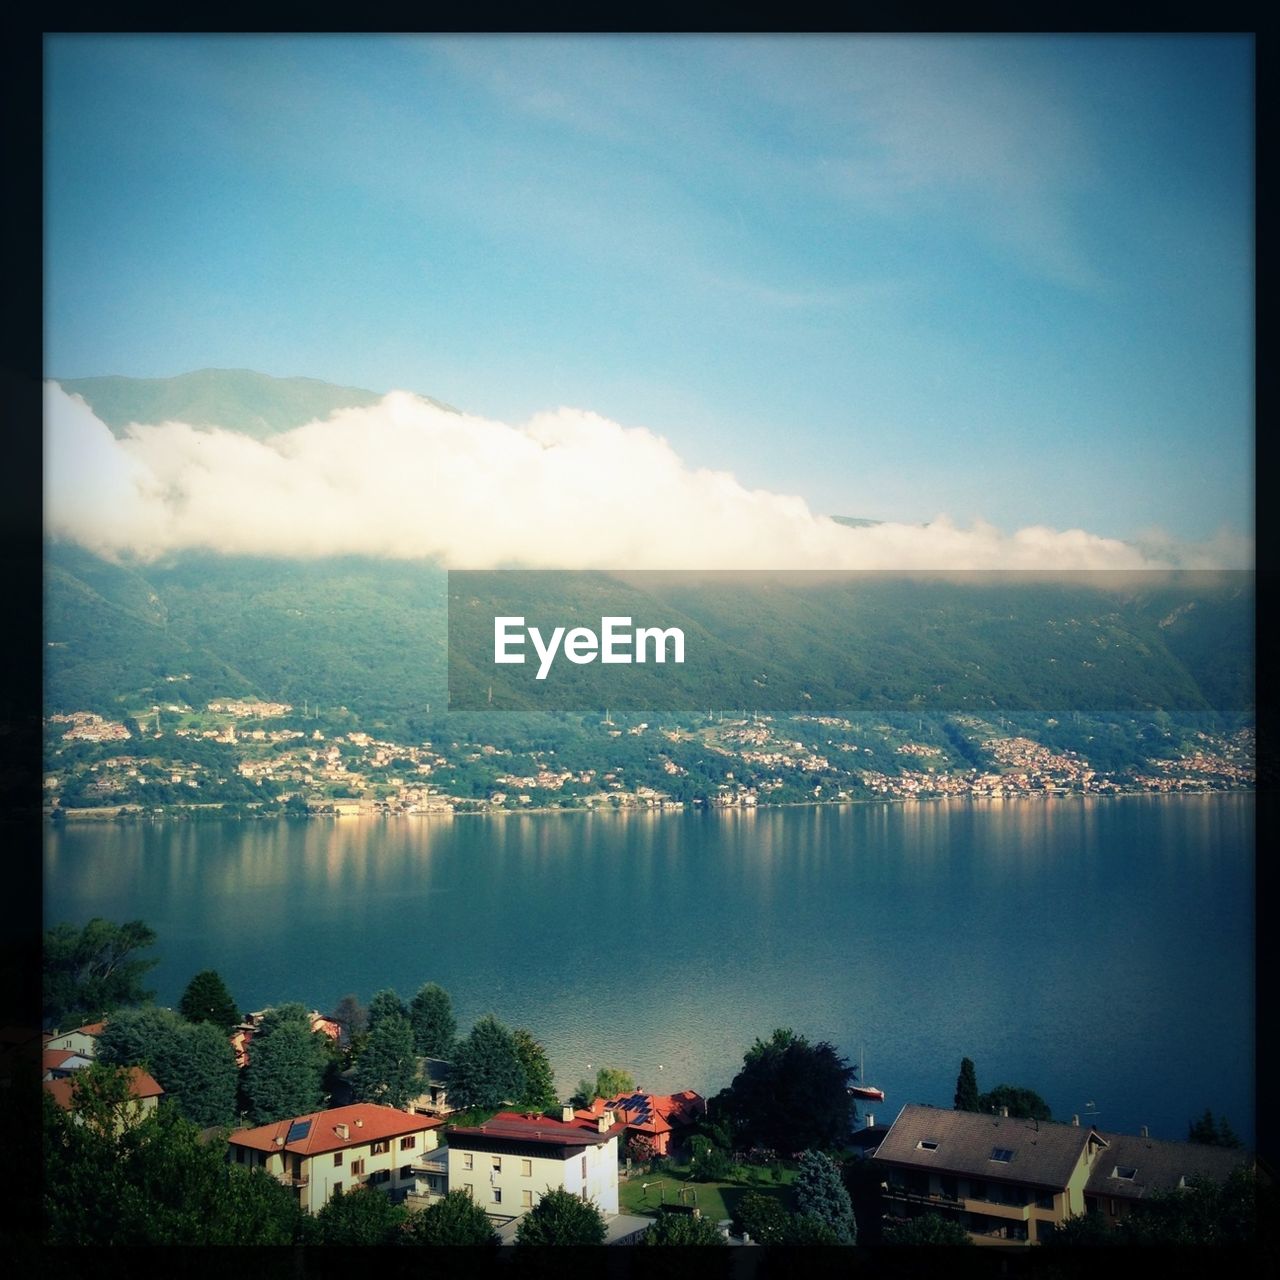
(716, 1200)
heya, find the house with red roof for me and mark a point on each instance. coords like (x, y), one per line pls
(324, 1152)
(509, 1163)
(144, 1090)
(666, 1119)
(82, 1040)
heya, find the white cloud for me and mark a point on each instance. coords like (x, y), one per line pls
(568, 489)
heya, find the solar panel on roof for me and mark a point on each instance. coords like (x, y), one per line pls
(298, 1130)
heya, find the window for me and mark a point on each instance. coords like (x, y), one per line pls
(926, 1144)
(467, 1160)
(526, 1199)
(337, 1188)
(380, 1148)
(526, 1168)
(408, 1144)
(406, 1172)
(337, 1159)
(469, 1188)
(497, 1194)
(239, 1155)
(1003, 1154)
(949, 1187)
(1044, 1200)
(357, 1168)
(379, 1176)
(1125, 1171)
(497, 1162)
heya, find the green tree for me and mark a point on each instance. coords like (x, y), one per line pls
(806, 1228)
(352, 1016)
(708, 1163)
(761, 1217)
(1212, 1133)
(791, 1094)
(286, 1068)
(434, 1026)
(1023, 1104)
(561, 1218)
(193, 1062)
(384, 1004)
(539, 1080)
(683, 1228)
(1204, 1212)
(486, 1067)
(207, 999)
(102, 1099)
(820, 1193)
(613, 1081)
(927, 1229)
(456, 1219)
(92, 971)
(361, 1217)
(967, 1087)
(387, 1068)
(1081, 1231)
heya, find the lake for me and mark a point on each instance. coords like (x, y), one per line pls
(1099, 951)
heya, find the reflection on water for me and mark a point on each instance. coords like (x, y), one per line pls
(1090, 949)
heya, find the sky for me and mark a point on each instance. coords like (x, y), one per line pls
(1007, 281)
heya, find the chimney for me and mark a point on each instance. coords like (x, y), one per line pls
(279, 1140)
(566, 1115)
(343, 1131)
(1145, 1134)
(1004, 1112)
(1075, 1120)
(359, 1123)
(605, 1122)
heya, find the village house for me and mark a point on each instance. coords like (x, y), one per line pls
(508, 1163)
(664, 1118)
(1012, 1181)
(81, 1040)
(145, 1092)
(340, 1149)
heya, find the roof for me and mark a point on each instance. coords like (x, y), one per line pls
(141, 1085)
(52, 1059)
(582, 1131)
(1156, 1165)
(1042, 1153)
(653, 1112)
(317, 1131)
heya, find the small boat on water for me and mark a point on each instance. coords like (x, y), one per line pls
(867, 1092)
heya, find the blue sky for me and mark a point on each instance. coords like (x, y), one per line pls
(1007, 277)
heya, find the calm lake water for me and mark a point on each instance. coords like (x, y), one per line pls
(1099, 951)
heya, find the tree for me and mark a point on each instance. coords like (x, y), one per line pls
(1204, 1212)
(683, 1228)
(207, 999)
(456, 1219)
(762, 1218)
(561, 1218)
(352, 1016)
(384, 1004)
(821, 1194)
(361, 1217)
(92, 971)
(708, 1163)
(791, 1095)
(967, 1087)
(193, 1062)
(927, 1229)
(1212, 1133)
(434, 1026)
(102, 1099)
(539, 1080)
(1023, 1104)
(286, 1066)
(611, 1082)
(486, 1067)
(387, 1068)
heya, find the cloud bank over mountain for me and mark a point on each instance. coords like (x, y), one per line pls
(406, 479)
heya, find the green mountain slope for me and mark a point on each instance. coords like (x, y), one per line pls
(254, 404)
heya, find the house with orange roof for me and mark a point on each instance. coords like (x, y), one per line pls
(242, 1034)
(508, 1163)
(82, 1040)
(324, 1152)
(144, 1090)
(664, 1118)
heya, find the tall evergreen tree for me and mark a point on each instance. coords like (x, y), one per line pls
(207, 999)
(386, 1003)
(286, 1066)
(486, 1067)
(966, 1087)
(434, 1026)
(387, 1068)
(539, 1080)
(820, 1193)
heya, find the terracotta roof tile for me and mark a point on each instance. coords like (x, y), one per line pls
(366, 1122)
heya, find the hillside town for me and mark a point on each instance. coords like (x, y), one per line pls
(252, 756)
